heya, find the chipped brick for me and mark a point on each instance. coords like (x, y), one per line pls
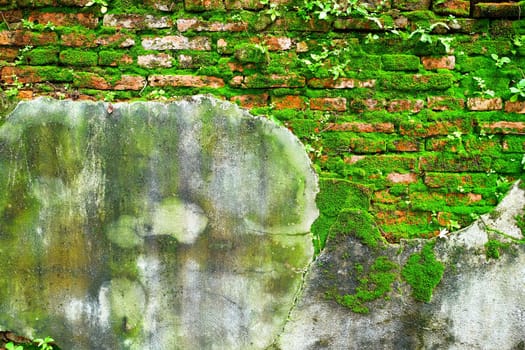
(362, 127)
(445, 62)
(203, 26)
(503, 127)
(130, 82)
(484, 104)
(414, 106)
(251, 101)
(284, 102)
(87, 20)
(341, 83)
(398, 178)
(515, 107)
(328, 104)
(155, 60)
(177, 42)
(445, 103)
(185, 81)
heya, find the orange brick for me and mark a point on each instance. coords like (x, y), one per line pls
(337, 104)
(361, 127)
(290, 101)
(87, 20)
(445, 62)
(251, 101)
(185, 81)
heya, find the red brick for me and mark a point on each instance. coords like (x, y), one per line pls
(413, 106)
(484, 104)
(398, 178)
(411, 5)
(203, 26)
(290, 101)
(405, 146)
(185, 81)
(78, 40)
(278, 43)
(498, 10)
(445, 62)
(341, 83)
(449, 145)
(445, 103)
(23, 38)
(361, 127)
(328, 104)
(8, 54)
(261, 81)
(452, 7)
(515, 107)
(368, 104)
(251, 101)
(119, 39)
(12, 16)
(130, 82)
(87, 20)
(177, 42)
(22, 74)
(434, 129)
(504, 127)
(396, 217)
(91, 81)
(385, 197)
(25, 94)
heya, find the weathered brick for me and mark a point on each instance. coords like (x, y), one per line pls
(90, 81)
(340, 83)
(367, 104)
(261, 81)
(442, 145)
(454, 163)
(414, 106)
(118, 39)
(130, 82)
(410, 128)
(367, 145)
(25, 94)
(503, 127)
(290, 101)
(243, 4)
(21, 74)
(484, 104)
(459, 8)
(275, 43)
(499, 10)
(155, 60)
(445, 103)
(134, 21)
(459, 181)
(77, 57)
(87, 20)
(8, 54)
(328, 104)
(385, 197)
(482, 145)
(24, 38)
(515, 107)
(404, 145)
(361, 127)
(185, 81)
(397, 217)
(177, 42)
(513, 144)
(399, 178)
(113, 58)
(161, 5)
(400, 62)
(417, 82)
(359, 24)
(445, 62)
(411, 5)
(251, 101)
(203, 5)
(78, 40)
(12, 16)
(184, 25)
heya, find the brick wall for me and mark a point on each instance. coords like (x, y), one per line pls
(413, 108)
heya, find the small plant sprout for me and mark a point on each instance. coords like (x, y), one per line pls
(482, 86)
(518, 90)
(45, 344)
(11, 346)
(500, 61)
(103, 5)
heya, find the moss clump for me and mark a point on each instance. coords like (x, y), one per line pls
(423, 272)
(400, 62)
(493, 248)
(79, 58)
(371, 287)
(357, 223)
(250, 53)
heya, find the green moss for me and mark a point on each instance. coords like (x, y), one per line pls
(78, 58)
(400, 62)
(416, 82)
(372, 286)
(357, 223)
(423, 272)
(492, 249)
(250, 53)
